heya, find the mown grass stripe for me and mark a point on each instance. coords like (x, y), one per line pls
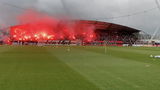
(109, 71)
(33, 68)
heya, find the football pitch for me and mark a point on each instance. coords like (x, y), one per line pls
(79, 68)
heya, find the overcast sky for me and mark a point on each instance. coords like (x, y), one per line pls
(88, 9)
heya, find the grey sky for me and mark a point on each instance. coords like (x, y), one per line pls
(89, 9)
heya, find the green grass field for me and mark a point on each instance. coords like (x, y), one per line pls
(81, 68)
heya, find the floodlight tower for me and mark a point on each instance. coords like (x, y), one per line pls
(66, 10)
(158, 4)
(65, 7)
(155, 32)
(158, 27)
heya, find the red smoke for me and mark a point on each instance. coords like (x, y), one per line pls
(36, 26)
